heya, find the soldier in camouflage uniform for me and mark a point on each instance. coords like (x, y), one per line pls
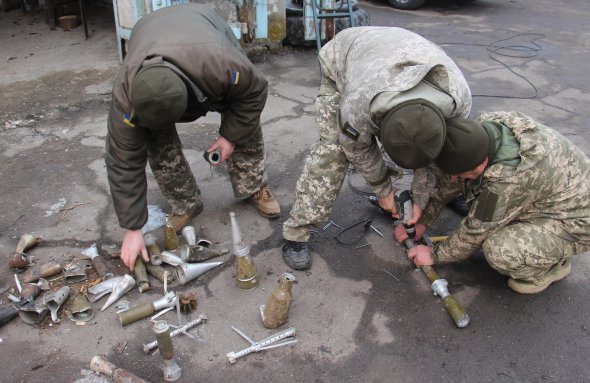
(528, 188)
(385, 85)
(181, 63)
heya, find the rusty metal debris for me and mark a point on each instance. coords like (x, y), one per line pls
(55, 300)
(80, 309)
(27, 242)
(43, 271)
(188, 302)
(100, 264)
(119, 375)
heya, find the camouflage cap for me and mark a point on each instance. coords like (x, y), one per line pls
(466, 146)
(159, 97)
(413, 133)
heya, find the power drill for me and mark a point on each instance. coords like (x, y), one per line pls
(403, 204)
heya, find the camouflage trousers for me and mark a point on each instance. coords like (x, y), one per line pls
(324, 170)
(176, 181)
(526, 252)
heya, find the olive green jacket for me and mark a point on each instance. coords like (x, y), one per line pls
(200, 44)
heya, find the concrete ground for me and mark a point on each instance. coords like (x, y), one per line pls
(354, 321)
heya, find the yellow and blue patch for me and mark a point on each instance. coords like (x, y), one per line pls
(127, 120)
(235, 77)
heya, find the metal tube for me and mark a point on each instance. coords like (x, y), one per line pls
(148, 347)
(163, 338)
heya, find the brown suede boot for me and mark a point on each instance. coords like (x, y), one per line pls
(179, 221)
(265, 203)
(556, 273)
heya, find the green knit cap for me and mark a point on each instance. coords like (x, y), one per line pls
(159, 97)
(467, 145)
(413, 133)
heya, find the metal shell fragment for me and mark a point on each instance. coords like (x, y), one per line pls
(80, 309)
(119, 289)
(55, 300)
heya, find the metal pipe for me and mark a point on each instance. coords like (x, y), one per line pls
(148, 347)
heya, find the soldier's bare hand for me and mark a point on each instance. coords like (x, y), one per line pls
(133, 244)
(416, 214)
(401, 235)
(225, 147)
(421, 255)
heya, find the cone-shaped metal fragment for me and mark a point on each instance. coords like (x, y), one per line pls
(98, 291)
(240, 248)
(189, 271)
(119, 289)
(171, 259)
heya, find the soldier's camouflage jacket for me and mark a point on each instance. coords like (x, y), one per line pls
(548, 185)
(365, 61)
(201, 45)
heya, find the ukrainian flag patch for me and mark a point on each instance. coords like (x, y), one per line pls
(235, 77)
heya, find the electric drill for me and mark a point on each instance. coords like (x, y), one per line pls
(403, 204)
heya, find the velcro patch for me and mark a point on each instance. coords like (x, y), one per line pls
(235, 77)
(486, 206)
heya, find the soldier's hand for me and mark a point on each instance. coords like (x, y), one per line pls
(388, 203)
(421, 255)
(133, 244)
(225, 147)
(416, 215)
(401, 235)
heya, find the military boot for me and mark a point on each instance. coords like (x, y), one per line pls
(296, 255)
(556, 273)
(265, 203)
(179, 221)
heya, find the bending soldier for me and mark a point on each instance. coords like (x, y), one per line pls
(181, 63)
(385, 85)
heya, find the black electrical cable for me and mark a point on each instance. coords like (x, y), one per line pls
(516, 51)
(366, 223)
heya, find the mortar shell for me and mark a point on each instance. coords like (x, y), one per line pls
(158, 273)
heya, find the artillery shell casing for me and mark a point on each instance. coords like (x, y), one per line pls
(158, 272)
(246, 273)
(102, 267)
(119, 375)
(143, 283)
(155, 254)
(136, 313)
(44, 271)
(30, 292)
(162, 330)
(7, 313)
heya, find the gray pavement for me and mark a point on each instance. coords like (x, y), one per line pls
(355, 323)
